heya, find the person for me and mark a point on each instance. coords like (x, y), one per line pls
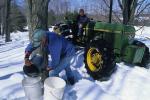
(82, 21)
(53, 50)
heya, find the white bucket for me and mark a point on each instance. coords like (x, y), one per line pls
(54, 88)
(33, 88)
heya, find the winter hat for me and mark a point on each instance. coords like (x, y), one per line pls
(37, 36)
(81, 10)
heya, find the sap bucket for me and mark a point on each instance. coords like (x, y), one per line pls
(33, 88)
(54, 88)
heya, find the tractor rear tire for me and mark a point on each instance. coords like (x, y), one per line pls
(103, 65)
(146, 56)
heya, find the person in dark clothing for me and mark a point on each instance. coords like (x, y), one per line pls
(82, 21)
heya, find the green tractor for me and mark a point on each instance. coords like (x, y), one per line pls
(107, 44)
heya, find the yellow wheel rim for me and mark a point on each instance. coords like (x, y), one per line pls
(94, 59)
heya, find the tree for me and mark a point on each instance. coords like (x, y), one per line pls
(6, 19)
(129, 7)
(1, 15)
(0, 21)
(128, 10)
(132, 9)
(17, 18)
(37, 14)
(58, 8)
(51, 17)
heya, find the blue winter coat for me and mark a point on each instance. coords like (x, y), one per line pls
(58, 47)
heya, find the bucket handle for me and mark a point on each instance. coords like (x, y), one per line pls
(42, 86)
(54, 95)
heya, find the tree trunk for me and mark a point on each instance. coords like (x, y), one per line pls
(6, 20)
(37, 15)
(0, 21)
(129, 7)
(0, 28)
(2, 14)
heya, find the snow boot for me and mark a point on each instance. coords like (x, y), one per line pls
(70, 80)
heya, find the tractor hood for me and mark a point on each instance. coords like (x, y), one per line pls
(114, 28)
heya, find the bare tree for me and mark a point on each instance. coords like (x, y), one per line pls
(6, 19)
(115, 14)
(59, 6)
(37, 16)
(132, 9)
(2, 5)
(142, 5)
(96, 9)
(1, 13)
(129, 7)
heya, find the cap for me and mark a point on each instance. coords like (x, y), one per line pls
(37, 36)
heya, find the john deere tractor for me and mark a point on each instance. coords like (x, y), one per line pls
(106, 44)
(109, 43)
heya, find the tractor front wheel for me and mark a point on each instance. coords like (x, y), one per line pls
(99, 60)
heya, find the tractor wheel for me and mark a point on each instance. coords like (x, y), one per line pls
(99, 60)
(146, 56)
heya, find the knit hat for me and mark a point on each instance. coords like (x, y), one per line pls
(37, 36)
(81, 10)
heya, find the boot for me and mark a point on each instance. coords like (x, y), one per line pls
(70, 80)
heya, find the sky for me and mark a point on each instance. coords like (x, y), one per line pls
(77, 4)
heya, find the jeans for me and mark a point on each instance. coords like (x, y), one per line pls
(80, 32)
(38, 61)
(63, 65)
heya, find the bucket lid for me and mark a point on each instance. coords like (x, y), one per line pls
(54, 83)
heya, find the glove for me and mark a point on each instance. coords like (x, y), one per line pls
(26, 59)
(49, 68)
(27, 62)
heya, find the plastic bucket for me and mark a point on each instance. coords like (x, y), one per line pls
(33, 88)
(54, 88)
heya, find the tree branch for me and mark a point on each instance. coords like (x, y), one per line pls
(148, 5)
(106, 3)
(120, 4)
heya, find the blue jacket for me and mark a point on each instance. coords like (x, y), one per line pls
(58, 47)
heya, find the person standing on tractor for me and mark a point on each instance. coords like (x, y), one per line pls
(53, 50)
(82, 21)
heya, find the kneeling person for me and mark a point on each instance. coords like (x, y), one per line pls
(56, 53)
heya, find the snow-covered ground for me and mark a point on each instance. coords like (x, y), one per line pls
(127, 83)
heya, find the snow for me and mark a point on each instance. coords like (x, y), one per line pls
(127, 83)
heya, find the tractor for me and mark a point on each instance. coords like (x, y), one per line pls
(106, 44)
